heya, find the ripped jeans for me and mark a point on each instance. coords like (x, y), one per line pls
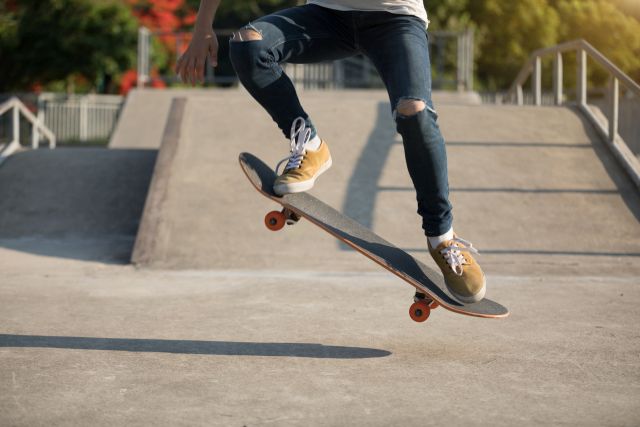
(398, 47)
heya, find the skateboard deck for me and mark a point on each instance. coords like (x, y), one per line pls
(431, 290)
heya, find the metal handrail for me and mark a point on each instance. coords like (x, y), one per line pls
(37, 126)
(579, 46)
(609, 131)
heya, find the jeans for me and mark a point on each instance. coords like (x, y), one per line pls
(398, 47)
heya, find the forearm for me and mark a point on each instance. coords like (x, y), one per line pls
(206, 13)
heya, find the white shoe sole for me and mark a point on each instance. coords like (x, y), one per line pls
(475, 298)
(299, 187)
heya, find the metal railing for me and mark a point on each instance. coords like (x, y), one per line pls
(80, 118)
(355, 72)
(37, 127)
(608, 129)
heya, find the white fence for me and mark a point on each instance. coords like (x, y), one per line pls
(452, 56)
(79, 118)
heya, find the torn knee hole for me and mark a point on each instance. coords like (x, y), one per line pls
(246, 35)
(410, 107)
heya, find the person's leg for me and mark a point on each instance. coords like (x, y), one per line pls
(304, 34)
(398, 46)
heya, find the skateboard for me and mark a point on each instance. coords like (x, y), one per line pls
(431, 291)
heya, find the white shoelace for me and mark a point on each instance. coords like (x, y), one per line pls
(453, 254)
(300, 135)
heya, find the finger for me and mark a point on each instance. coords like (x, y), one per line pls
(182, 70)
(194, 72)
(189, 71)
(199, 70)
(213, 53)
(213, 58)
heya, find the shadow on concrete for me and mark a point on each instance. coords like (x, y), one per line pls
(218, 348)
(516, 144)
(539, 252)
(622, 181)
(362, 188)
(512, 190)
(79, 203)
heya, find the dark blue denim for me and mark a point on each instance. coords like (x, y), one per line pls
(398, 47)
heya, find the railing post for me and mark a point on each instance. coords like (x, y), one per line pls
(84, 119)
(581, 88)
(16, 122)
(536, 81)
(519, 96)
(470, 57)
(558, 78)
(615, 106)
(35, 131)
(35, 136)
(143, 56)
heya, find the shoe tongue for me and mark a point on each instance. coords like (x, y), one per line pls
(448, 244)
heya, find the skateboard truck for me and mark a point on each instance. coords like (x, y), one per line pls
(421, 307)
(276, 220)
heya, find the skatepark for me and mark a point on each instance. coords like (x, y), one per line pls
(140, 286)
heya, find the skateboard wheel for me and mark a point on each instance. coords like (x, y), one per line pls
(433, 305)
(419, 311)
(274, 220)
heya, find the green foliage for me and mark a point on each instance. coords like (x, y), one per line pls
(233, 14)
(8, 29)
(449, 14)
(46, 41)
(508, 31)
(630, 7)
(50, 41)
(607, 28)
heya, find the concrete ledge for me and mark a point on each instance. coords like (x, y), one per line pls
(148, 234)
(629, 162)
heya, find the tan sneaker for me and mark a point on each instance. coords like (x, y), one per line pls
(303, 166)
(462, 274)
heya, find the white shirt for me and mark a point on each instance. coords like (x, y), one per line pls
(400, 7)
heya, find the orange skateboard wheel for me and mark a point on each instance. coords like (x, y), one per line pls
(274, 220)
(433, 305)
(419, 311)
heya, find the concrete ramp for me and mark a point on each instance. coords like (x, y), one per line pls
(533, 188)
(80, 203)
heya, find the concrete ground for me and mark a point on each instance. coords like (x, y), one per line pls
(217, 331)
(104, 345)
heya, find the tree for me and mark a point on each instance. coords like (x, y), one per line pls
(233, 13)
(631, 7)
(172, 21)
(44, 41)
(448, 14)
(607, 28)
(508, 31)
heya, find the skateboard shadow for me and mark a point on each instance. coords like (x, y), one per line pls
(214, 348)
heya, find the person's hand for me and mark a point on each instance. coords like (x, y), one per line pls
(190, 66)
